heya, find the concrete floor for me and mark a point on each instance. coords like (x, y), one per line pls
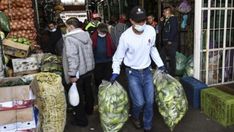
(193, 121)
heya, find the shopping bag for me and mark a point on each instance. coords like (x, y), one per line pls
(73, 95)
(171, 99)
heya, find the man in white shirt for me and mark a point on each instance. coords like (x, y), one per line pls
(136, 46)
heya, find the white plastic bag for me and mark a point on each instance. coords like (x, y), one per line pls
(73, 95)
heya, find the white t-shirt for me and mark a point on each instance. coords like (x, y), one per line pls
(135, 50)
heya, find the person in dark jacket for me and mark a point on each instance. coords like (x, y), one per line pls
(54, 35)
(169, 32)
(103, 48)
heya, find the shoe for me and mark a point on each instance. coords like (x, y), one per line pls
(136, 123)
(148, 130)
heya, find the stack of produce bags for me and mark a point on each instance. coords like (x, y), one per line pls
(171, 98)
(113, 106)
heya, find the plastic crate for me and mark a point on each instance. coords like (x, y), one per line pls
(192, 88)
(218, 105)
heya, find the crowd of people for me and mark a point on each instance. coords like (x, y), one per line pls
(99, 49)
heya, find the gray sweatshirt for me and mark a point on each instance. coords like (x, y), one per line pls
(78, 56)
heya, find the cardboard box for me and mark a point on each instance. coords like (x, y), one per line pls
(14, 116)
(15, 96)
(15, 93)
(25, 121)
(28, 126)
(28, 65)
(15, 49)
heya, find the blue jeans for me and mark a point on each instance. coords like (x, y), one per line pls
(141, 91)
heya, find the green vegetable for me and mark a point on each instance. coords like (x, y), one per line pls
(24, 40)
(12, 82)
(4, 22)
(171, 99)
(113, 106)
(49, 58)
(20, 40)
(50, 67)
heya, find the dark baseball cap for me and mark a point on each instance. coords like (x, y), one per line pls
(138, 14)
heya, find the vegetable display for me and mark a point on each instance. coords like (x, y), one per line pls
(51, 63)
(113, 106)
(171, 98)
(21, 16)
(21, 40)
(50, 102)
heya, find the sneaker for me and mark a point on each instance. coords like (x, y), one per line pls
(136, 123)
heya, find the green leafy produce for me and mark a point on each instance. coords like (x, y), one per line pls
(171, 98)
(180, 63)
(4, 22)
(113, 106)
(50, 58)
(49, 67)
(12, 82)
(51, 102)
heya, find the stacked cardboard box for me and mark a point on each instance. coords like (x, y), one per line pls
(16, 107)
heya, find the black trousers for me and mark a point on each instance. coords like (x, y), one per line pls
(86, 98)
(102, 71)
(169, 51)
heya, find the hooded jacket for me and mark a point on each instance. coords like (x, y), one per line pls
(77, 54)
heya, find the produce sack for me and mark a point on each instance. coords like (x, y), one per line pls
(184, 7)
(113, 106)
(189, 67)
(180, 63)
(50, 100)
(73, 94)
(4, 22)
(171, 98)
